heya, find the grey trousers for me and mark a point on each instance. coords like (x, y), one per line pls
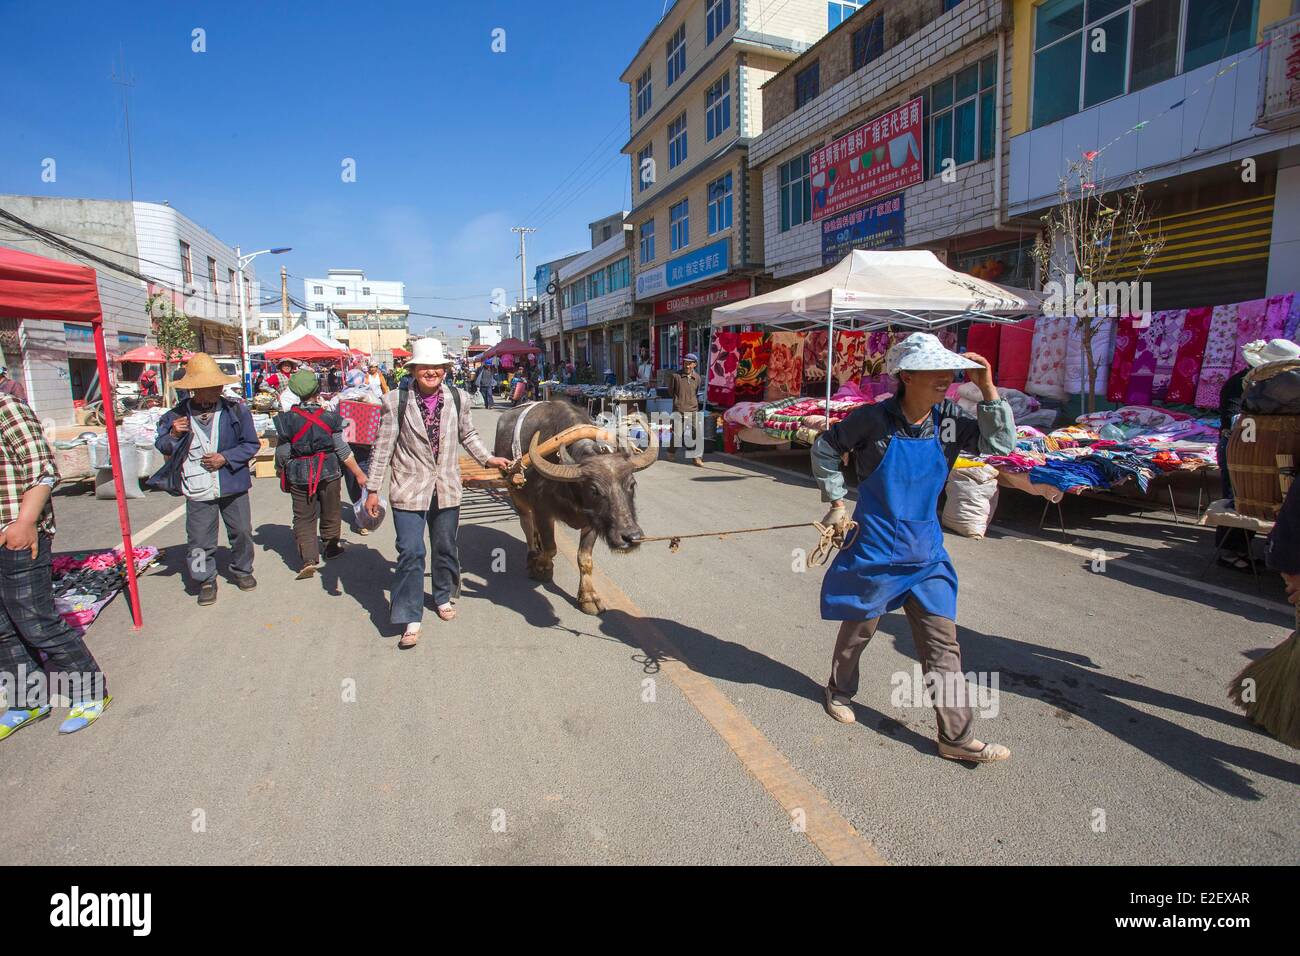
(936, 647)
(688, 435)
(201, 535)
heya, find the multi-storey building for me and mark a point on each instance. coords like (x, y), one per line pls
(889, 132)
(180, 261)
(546, 332)
(695, 104)
(1200, 98)
(367, 314)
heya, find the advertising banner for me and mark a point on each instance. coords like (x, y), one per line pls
(877, 225)
(879, 158)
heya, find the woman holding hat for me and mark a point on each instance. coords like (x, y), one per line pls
(420, 429)
(904, 448)
(214, 439)
(310, 458)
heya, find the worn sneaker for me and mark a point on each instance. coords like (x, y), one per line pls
(308, 571)
(84, 714)
(245, 582)
(15, 718)
(207, 593)
(840, 707)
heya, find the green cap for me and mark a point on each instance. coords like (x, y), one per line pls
(303, 383)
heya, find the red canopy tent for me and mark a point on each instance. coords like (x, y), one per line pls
(511, 347)
(400, 352)
(33, 287)
(152, 355)
(306, 349)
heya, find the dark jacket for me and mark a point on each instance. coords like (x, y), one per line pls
(685, 390)
(237, 440)
(1283, 550)
(866, 433)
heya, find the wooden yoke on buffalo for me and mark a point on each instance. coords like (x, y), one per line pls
(474, 475)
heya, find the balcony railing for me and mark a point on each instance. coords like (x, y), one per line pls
(1279, 93)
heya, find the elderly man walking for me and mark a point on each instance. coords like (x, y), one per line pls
(30, 627)
(210, 441)
(685, 389)
(420, 429)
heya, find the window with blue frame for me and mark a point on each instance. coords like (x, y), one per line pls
(837, 11)
(717, 107)
(677, 142)
(675, 54)
(962, 111)
(796, 192)
(679, 225)
(719, 193)
(643, 94)
(869, 42)
(716, 18)
(646, 235)
(1089, 51)
(807, 84)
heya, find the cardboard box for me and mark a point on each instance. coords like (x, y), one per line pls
(264, 467)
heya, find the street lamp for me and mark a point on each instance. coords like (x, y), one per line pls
(242, 261)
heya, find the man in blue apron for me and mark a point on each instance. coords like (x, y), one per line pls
(903, 449)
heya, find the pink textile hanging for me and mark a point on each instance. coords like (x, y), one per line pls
(1121, 367)
(1187, 363)
(1167, 330)
(1142, 375)
(814, 356)
(724, 355)
(1250, 326)
(1275, 317)
(1047, 365)
(1220, 347)
(982, 339)
(850, 355)
(784, 366)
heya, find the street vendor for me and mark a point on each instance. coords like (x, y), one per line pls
(279, 379)
(421, 429)
(310, 458)
(903, 449)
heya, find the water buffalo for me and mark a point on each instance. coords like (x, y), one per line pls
(591, 489)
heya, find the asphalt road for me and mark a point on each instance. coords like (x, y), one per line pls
(682, 726)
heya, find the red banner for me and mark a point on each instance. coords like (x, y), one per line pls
(698, 300)
(880, 157)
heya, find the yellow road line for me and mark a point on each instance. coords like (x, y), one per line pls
(833, 836)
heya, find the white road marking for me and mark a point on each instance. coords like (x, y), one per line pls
(147, 532)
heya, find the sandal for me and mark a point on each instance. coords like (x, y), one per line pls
(446, 612)
(411, 637)
(1236, 563)
(986, 754)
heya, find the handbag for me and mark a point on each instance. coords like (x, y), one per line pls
(168, 477)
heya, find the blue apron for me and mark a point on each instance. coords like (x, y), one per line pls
(899, 545)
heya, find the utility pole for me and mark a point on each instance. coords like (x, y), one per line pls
(523, 262)
(126, 81)
(284, 300)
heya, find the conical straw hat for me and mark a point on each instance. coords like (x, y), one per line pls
(201, 371)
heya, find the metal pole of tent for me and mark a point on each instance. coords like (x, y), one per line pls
(115, 459)
(830, 354)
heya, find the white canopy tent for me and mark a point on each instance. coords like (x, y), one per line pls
(870, 291)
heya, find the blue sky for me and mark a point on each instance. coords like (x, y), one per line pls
(453, 143)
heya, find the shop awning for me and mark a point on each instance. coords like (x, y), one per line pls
(152, 355)
(909, 289)
(400, 353)
(510, 347)
(36, 288)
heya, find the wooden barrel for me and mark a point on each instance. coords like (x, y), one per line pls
(1259, 479)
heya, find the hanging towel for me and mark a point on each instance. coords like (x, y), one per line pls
(1121, 366)
(723, 356)
(1191, 351)
(785, 366)
(1292, 330)
(1250, 326)
(1047, 364)
(1015, 346)
(1166, 333)
(1141, 376)
(814, 356)
(873, 364)
(1276, 315)
(982, 339)
(751, 366)
(850, 356)
(1103, 347)
(1220, 346)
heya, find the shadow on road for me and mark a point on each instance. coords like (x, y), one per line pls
(1077, 687)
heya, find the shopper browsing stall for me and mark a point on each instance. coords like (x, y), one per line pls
(903, 449)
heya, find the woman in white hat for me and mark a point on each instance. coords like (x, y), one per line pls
(421, 427)
(904, 448)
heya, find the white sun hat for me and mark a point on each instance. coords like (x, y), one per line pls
(428, 352)
(923, 352)
(1259, 352)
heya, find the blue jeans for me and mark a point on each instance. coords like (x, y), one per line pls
(362, 454)
(487, 396)
(407, 604)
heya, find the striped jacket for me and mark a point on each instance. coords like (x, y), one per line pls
(405, 456)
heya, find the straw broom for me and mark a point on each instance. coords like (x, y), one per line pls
(1268, 690)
